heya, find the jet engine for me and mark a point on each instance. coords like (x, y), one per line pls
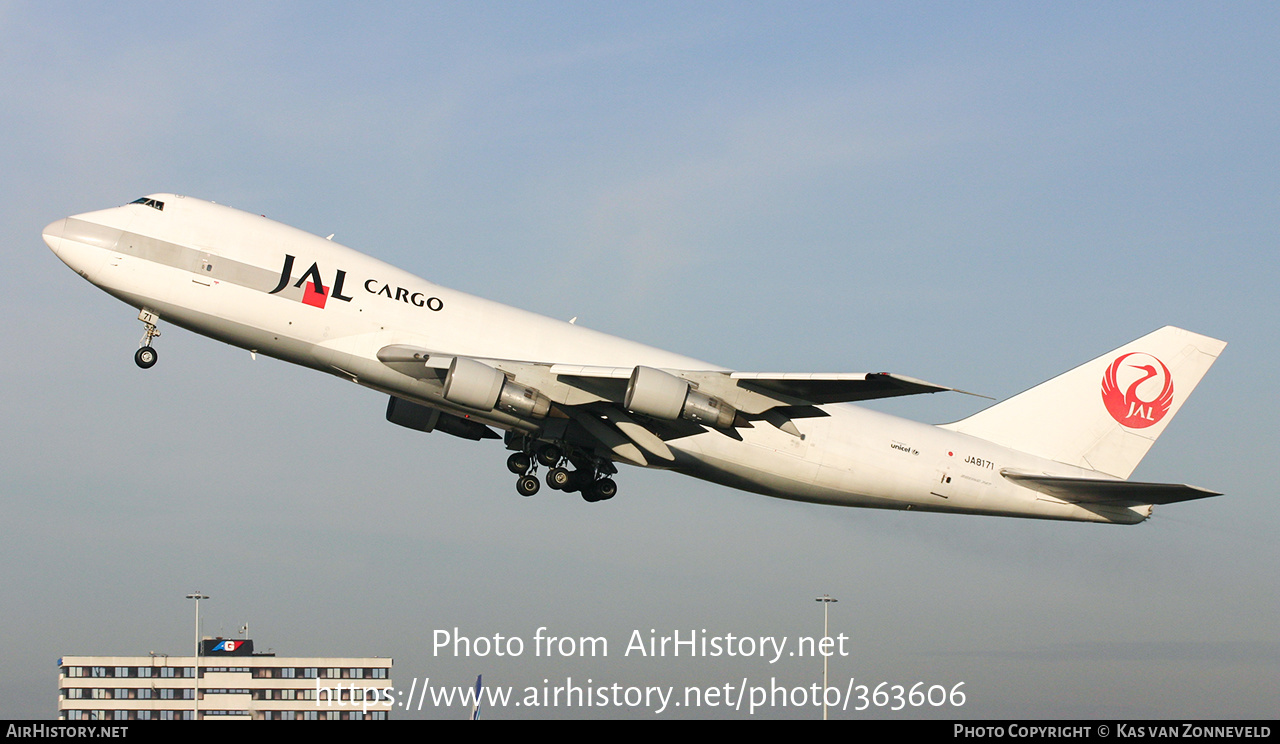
(662, 395)
(477, 385)
(423, 418)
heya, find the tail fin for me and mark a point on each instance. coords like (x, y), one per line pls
(1103, 415)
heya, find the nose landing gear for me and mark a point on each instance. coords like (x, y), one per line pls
(146, 356)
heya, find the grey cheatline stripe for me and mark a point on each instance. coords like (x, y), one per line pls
(179, 257)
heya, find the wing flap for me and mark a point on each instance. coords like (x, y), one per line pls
(1107, 492)
(752, 392)
(781, 388)
(819, 388)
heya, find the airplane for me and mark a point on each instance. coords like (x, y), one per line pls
(577, 401)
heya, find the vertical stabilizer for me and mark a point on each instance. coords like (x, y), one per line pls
(1105, 414)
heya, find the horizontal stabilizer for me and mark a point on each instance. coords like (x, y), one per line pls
(1107, 492)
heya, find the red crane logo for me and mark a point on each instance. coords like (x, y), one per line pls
(1126, 406)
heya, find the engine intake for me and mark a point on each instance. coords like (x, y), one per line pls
(477, 385)
(662, 395)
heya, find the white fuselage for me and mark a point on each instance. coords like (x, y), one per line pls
(213, 269)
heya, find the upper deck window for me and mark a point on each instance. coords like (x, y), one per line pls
(149, 203)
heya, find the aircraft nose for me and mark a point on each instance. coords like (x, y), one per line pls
(52, 234)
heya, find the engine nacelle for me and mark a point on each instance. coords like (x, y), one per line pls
(522, 401)
(477, 385)
(423, 418)
(662, 395)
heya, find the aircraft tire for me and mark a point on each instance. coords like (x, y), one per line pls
(145, 357)
(527, 485)
(549, 455)
(604, 489)
(519, 463)
(559, 479)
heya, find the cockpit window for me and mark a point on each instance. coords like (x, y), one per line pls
(144, 201)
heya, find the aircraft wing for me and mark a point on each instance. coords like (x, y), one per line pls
(1100, 491)
(839, 387)
(752, 392)
(772, 389)
(643, 406)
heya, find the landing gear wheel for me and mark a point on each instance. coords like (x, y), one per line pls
(549, 455)
(519, 463)
(559, 478)
(527, 485)
(604, 489)
(145, 357)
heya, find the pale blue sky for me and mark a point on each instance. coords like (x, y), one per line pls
(981, 195)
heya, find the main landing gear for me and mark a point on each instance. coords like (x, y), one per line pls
(146, 356)
(590, 475)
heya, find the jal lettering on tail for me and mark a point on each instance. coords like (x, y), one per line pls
(1126, 406)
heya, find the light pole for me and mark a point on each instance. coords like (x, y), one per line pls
(195, 660)
(826, 601)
